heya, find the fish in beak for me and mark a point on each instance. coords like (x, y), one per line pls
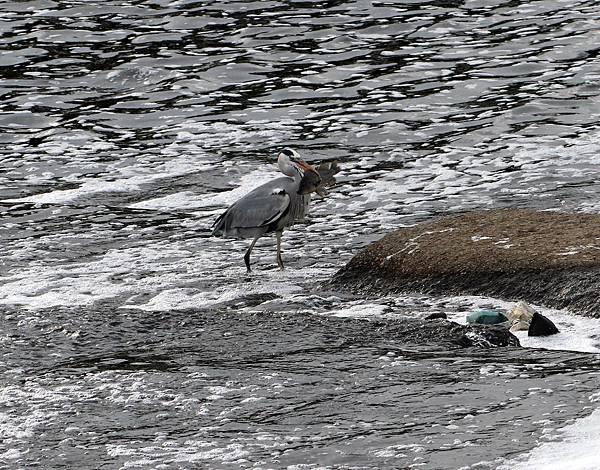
(310, 180)
(315, 180)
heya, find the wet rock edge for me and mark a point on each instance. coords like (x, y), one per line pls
(533, 270)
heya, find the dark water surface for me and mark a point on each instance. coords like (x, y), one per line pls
(131, 339)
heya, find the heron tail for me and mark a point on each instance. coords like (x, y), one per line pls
(218, 225)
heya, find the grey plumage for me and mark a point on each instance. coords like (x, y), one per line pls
(269, 208)
(273, 206)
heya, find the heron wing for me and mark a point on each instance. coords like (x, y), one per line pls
(260, 210)
(257, 210)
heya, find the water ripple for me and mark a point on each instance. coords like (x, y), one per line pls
(133, 338)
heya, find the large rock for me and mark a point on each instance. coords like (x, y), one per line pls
(541, 326)
(549, 258)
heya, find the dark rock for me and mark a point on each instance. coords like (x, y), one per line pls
(541, 326)
(400, 331)
(486, 317)
(487, 337)
(436, 315)
(447, 334)
(547, 258)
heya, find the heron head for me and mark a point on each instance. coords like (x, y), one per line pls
(290, 163)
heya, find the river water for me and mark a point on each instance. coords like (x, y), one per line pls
(132, 339)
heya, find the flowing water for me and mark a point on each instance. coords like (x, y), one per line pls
(132, 339)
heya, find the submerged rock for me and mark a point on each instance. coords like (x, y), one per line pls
(488, 337)
(440, 333)
(436, 316)
(400, 331)
(541, 326)
(547, 258)
(486, 317)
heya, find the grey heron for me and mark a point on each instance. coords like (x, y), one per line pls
(275, 205)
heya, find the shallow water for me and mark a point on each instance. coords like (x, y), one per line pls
(131, 338)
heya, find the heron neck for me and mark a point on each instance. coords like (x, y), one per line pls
(290, 170)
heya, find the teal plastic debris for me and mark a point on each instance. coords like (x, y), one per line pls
(486, 317)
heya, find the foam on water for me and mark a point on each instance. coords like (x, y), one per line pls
(574, 447)
(42, 403)
(359, 309)
(125, 179)
(243, 137)
(191, 452)
(182, 299)
(478, 179)
(188, 200)
(140, 269)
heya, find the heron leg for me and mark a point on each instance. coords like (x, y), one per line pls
(279, 259)
(248, 251)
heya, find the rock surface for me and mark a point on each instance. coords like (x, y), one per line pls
(401, 330)
(541, 326)
(549, 258)
(520, 316)
(436, 316)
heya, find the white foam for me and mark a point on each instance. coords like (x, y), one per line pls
(40, 400)
(465, 178)
(126, 179)
(42, 286)
(182, 298)
(11, 454)
(360, 310)
(576, 449)
(168, 271)
(192, 451)
(287, 285)
(189, 200)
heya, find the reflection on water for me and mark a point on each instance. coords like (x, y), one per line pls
(126, 127)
